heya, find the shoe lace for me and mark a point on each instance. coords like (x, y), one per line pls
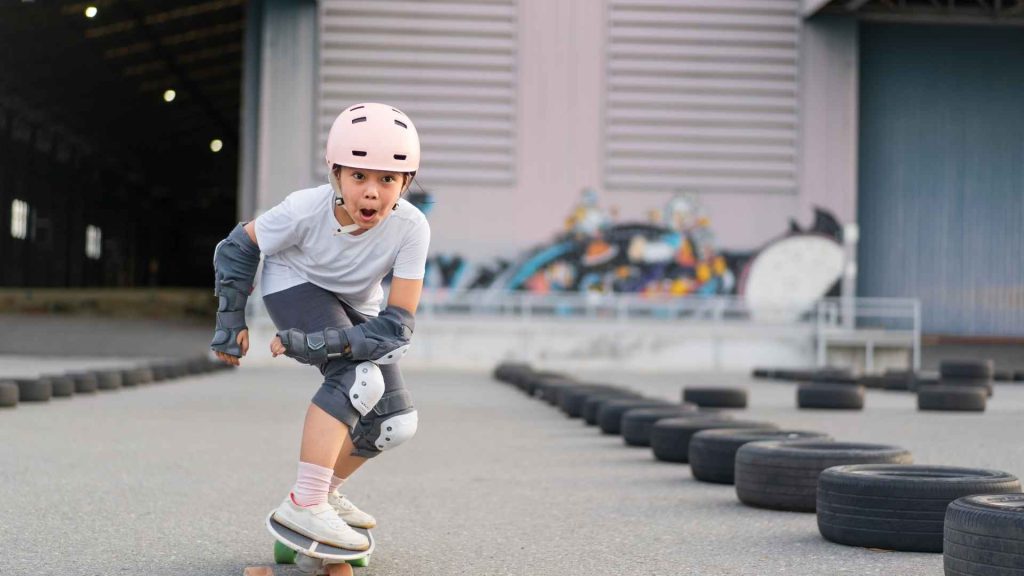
(342, 502)
(334, 521)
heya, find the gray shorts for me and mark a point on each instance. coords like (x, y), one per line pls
(309, 308)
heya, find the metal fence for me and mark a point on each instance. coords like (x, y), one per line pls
(867, 322)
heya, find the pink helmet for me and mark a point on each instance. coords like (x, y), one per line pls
(375, 137)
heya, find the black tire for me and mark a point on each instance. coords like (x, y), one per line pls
(159, 373)
(898, 507)
(979, 383)
(898, 379)
(830, 396)
(1018, 376)
(179, 368)
(637, 423)
(784, 475)
(573, 399)
(716, 397)
(518, 378)
(982, 369)
(551, 391)
(85, 382)
(137, 376)
(952, 398)
(8, 394)
(109, 380)
(670, 438)
(199, 365)
(834, 376)
(712, 453)
(609, 415)
(762, 373)
(1003, 375)
(795, 375)
(984, 536)
(63, 387)
(873, 382)
(534, 385)
(34, 389)
(593, 402)
(506, 371)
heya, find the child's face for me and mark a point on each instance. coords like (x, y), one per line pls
(370, 195)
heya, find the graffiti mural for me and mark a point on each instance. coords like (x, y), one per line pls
(673, 253)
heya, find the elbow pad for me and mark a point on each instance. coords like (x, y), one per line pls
(235, 260)
(384, 339)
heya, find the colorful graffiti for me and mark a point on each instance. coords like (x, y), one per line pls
(674, 254)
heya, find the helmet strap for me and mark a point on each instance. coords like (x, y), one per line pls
(340, 201)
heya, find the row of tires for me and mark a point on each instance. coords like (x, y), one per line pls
(43, 388)
(933, 397)
(951, 372)
(866, 495)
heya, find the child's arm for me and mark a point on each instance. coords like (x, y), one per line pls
(382, 340)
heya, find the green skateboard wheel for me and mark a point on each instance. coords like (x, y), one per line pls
(360, 562)
(283, 554)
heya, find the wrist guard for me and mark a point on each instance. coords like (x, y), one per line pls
(314, 348)
(235, 260)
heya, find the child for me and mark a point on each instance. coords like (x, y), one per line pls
(326, 251)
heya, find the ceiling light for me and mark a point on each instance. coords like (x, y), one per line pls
(169, 95)
(90, 12)
(216, 145)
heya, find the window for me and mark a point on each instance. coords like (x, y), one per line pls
(93, 242)
(19, 219)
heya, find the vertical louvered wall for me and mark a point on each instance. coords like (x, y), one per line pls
(451, 66)
(702, 95)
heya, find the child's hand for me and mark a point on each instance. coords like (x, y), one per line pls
(243, 343)
(276, 347)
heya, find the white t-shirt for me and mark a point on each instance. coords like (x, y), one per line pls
(299, 241)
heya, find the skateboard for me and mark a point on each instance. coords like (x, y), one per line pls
(294, 548)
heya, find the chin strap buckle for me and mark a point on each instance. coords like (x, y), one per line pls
(347, 229)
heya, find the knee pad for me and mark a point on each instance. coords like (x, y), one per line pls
(393, 356)
(367, 388)
(395, 430)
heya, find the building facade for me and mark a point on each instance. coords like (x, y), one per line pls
(894, 116)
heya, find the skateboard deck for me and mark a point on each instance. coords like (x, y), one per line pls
(290, 543)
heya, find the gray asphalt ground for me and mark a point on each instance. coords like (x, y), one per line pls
(176, 478)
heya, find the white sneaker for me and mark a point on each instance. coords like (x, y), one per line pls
(320, 523)
(348, 512)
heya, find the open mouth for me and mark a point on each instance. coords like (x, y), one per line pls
(367, 214)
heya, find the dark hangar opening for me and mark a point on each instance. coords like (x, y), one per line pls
(119, 139)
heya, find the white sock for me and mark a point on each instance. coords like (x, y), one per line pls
(311, 485)
(336, 482)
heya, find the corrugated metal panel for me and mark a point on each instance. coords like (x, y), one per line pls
(451, 66)
(702, 95)
(941, 202)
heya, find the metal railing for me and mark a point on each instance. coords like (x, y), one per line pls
(872, 322)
